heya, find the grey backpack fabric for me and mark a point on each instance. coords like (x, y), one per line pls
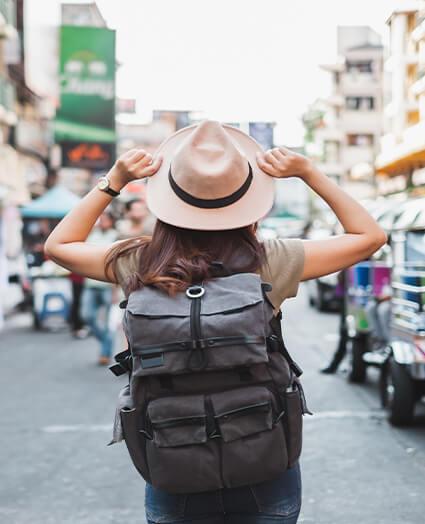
(214, 400)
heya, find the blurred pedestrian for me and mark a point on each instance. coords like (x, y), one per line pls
(98, 295)
(341, 349)
(137, 222)
(210, 185)
(75, 320)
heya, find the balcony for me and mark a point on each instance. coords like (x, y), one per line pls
(404, 155)
(418, 87)
(361, 121)
(359, 82)
(392, 63)
(419, 32)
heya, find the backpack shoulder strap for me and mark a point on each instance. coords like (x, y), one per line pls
(277, 330)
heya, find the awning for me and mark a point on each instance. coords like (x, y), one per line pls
(55, 203)
(396, 164)
(406, 155)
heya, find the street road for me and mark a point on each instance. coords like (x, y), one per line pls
(58, 406)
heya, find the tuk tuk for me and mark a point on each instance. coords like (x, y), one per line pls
(402, 381)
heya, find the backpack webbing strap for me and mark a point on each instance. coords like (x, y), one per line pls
(123, 363)
(202, 343)
(277, 329)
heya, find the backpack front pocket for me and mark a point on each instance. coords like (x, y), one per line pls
(178, 421)
(181, 457)
(252, 439)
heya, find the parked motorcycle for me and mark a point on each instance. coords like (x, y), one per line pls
(367, 294)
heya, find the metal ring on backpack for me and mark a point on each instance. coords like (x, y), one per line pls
(195, 291)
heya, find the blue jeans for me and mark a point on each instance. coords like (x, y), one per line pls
(277, 501)
(93, 300)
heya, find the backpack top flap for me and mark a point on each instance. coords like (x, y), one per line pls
(221, 295)
(225, 326)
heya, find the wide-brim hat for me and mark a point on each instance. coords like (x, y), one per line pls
(209, 179)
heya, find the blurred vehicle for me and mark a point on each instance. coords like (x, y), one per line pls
(366, 283)
(51, 295)
(401, 356)
(402, 382)
(47, 286)
(324, 293)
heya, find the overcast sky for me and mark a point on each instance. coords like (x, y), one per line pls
(234, 59)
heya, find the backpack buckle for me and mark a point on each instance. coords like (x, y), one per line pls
(123, 363)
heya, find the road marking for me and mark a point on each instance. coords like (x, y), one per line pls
(77, 427)
(348, 414)
(316, 416)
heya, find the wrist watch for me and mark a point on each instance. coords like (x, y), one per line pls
(104, 185)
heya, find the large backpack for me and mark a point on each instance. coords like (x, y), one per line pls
(214, 400)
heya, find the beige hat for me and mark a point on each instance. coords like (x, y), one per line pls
(209, 179)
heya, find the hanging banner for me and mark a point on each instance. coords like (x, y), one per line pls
(85, 120)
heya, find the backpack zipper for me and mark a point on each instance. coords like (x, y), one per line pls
(260, 406)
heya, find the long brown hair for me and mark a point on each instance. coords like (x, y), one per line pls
(174, 258)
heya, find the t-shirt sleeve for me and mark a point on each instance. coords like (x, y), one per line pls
(284, 268)
(125, 266)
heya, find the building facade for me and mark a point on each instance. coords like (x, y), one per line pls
(344, 128)
(401, 161)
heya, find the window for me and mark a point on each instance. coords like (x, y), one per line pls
(362, 140)
(364, 66)
(360, 103)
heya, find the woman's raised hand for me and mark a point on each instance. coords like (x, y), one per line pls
(280, 162)
(134, 164)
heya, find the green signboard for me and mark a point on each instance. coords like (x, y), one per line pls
(85, 120)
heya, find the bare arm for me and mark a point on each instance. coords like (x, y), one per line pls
(67, 245)
(362, 237)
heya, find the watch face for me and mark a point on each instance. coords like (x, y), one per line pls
(103, 183)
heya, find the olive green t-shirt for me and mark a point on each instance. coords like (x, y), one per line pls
(283, 271)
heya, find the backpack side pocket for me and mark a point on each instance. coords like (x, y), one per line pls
(293, 424)
(135, 440)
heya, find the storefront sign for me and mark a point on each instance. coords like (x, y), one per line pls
(85, 121)
(87, 155)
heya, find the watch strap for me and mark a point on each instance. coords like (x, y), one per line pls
(111, 191)
(108, 188)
